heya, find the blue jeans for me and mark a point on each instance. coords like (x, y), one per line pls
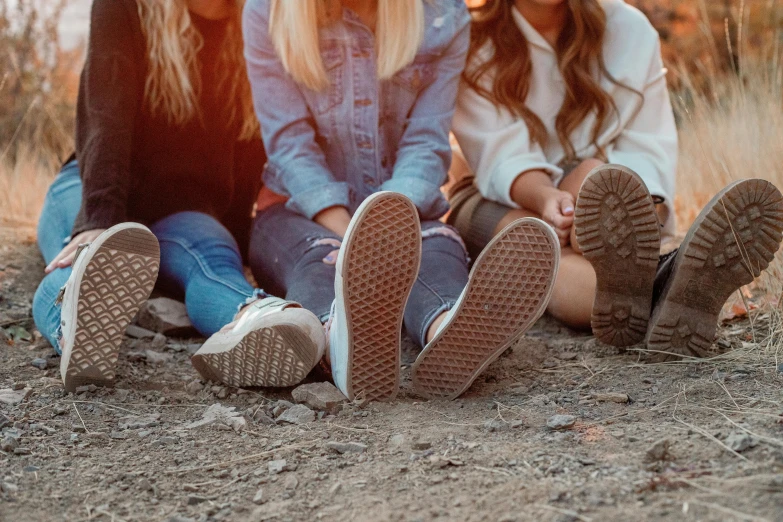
(287, 253)
(199, 261)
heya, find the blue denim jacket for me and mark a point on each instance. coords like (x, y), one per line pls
(359, 136)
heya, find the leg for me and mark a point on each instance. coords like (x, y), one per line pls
(201, 260)
(572, 298)
(442, 278)
(54, 227)
(573, 182)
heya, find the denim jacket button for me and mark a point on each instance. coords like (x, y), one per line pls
(368, 180)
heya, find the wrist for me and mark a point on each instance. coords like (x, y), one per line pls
(532, 189)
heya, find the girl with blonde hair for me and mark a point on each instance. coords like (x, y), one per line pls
(564, 114)
(355, 100)
(163, 181)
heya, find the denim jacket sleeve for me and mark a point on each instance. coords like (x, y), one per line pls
(424, 153)
(296, 167)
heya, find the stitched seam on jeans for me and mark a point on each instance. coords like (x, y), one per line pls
(204, 269)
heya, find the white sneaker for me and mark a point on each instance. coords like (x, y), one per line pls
(376, 268)
(275, 343)
(509, 289)
(111, 278)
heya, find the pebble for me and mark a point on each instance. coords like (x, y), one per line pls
(280, 407)
(165, 441)
(320, 396)
(261, 417)
(159, 341)
(165, 316)
(297, 414)
(397, 439)
(137, 332)
(135, 422)
(495, 425)
(258, 498)
(740, 441)
(9, 444)
(22, 451)
(659, 451)
(196, 499)
(780, 368)
(347, 447)
(17, 386)
(560, 422)
(87, 388)
(30, 469)
(194, 387)
(118, 435)
(620, 398)
(291, 482)
(276, 466)
(157, 358)
(78, 428)
(39, 363)
(4, 421)
(144, 484)
(421, 445)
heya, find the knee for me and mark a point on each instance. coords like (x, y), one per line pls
(446, 236)
(194, 228)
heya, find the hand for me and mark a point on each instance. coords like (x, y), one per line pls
(558, 211)
(66, 255)
(335, 219)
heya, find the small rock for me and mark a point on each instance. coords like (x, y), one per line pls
(118, 435)
(4, 421)
(276, 466)
(78, 428)
(346, 447)
(336, 487)
(659, 451)
(397, 440)
(165, 441)
(421, 445)
(144, 484)
(261, 417)
(258, 498)
(220, 414)
(157, 358)
(560, 422)
(291, 482)
(320, 396)
(618, 397)
(89, 388)
(165, 316)
(780, 368)
(280, 407)
(39, 363)
(297, 414)
(195, 499)
(9, 444)
(7, 487)
(194, 387)
(495, 425)
(517, 423)
(740, 441)
(135, 422)
(22, 451)
(222, 393)
(31, 469)
(17, 386)
(567, 356)
(159, 341)
(137, 332)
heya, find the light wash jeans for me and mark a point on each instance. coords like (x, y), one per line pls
(199, 261)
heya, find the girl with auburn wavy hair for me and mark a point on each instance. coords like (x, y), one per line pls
(355, 100)
(564, 114)
(163, 181)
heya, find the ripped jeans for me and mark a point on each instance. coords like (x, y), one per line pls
(200, 261)
(288, 251)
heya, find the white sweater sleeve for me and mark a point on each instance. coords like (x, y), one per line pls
(648, 143)
(496, 145)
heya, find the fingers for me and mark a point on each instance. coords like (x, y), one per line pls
(65, 256)
(567, 204)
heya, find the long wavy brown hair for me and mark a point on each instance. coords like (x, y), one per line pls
(579, 51)
(173, 83)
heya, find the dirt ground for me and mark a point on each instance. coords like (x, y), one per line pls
(694, 441)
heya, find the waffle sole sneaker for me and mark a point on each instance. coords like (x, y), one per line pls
(276, 347)
(377, 266)
(732, 241)
(507, 292)
(111, 279)
(618, 232)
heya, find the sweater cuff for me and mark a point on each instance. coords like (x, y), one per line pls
(506, 173)
(426, 196)
(311, 202)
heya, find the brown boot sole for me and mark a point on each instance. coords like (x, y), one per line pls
(278, 356)
(380, 266)
(617, 230)
(118, 278)
(731, 242)
(508, 290)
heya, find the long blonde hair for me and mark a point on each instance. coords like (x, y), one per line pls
(294, 25)
(173, 83)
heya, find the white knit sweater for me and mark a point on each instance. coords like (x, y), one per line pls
(641, 136)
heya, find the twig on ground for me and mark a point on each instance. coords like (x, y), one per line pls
(80, 418)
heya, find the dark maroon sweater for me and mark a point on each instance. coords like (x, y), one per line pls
(139, 167)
